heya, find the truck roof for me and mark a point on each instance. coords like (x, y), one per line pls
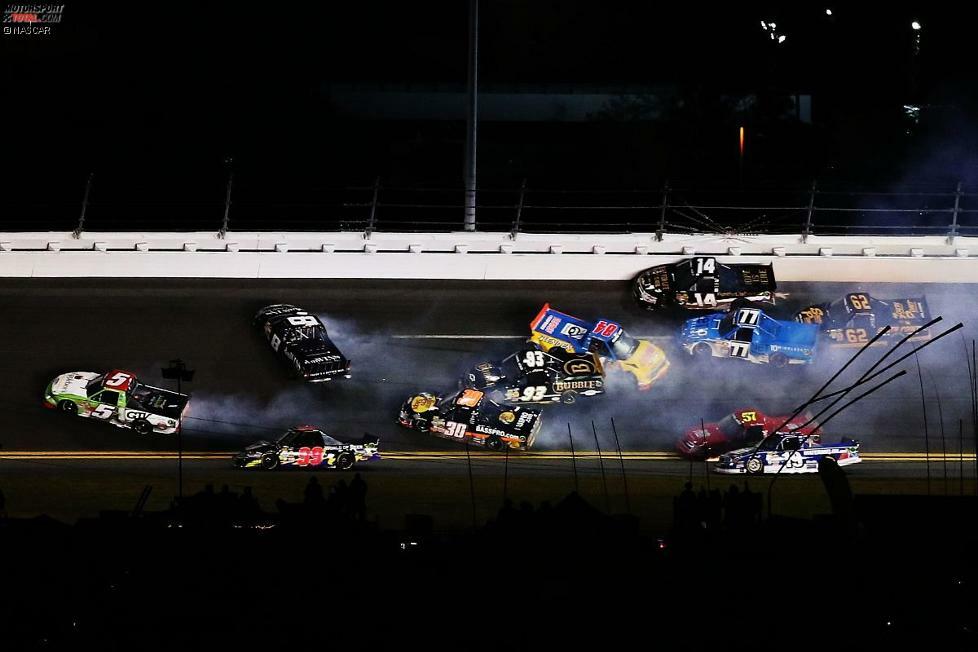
(119, 380)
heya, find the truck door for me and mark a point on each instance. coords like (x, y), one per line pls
(741, 343)
(105, 404)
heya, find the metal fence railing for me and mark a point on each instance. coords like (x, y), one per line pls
(950, 211)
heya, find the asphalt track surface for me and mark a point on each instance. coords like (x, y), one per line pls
(405, 336)
(408, 336)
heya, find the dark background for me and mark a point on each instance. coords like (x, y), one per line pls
(153, 97)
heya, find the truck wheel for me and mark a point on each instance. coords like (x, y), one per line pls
(702, 352)
(754, 466)
(68, 407)
(142, 427)
(269, 461)
(779, 360)
(494, 443)
(569, 397)
(345, 462)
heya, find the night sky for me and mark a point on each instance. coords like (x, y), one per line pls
(154, 96)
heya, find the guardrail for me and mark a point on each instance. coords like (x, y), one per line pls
(948, 211)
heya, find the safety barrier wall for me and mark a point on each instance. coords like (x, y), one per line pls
(473, 255)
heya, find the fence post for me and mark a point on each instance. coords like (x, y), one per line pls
(372, 220)
(84, 209)
(472, 117)
(227, 199)
(953, 233)
(519, 212)
(807, 230)
(662, 213)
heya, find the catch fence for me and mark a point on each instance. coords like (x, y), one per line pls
(376, 207)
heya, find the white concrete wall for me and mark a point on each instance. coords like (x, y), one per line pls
(475, 256)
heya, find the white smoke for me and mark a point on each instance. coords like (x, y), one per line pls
(386, 371)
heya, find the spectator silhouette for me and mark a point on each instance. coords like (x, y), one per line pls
(339, 498)
(248, 504)
(205, 500)
(358, 498)
(507, 514)
(226, 501)
(751, 506)
(685, 508)
(702, 508)
(314, 493)
(714, 513)
(732, 507)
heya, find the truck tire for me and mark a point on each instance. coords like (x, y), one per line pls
(345, 461)
(269, 461)
(754, 466)
(702, 352)
(142, 427)
(68, 407)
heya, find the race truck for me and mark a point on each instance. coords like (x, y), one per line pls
(307, 447)
(749, 334)
(802, 455)
(301, 339)
(117, 398)
(739, 428)
(607, 340)
(469, 415)
(535, 376)
(854, 319)
(703, 284)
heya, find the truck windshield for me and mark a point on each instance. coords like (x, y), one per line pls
(447, 402)
(303, 333)
(508, 368)
(285, 439)
(623, 346)
(140, 396)
(94, 385)
(730, 427)
(727, 323)
(838, 313)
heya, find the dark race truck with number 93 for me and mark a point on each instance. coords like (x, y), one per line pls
(117, 398)
(536, 376)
